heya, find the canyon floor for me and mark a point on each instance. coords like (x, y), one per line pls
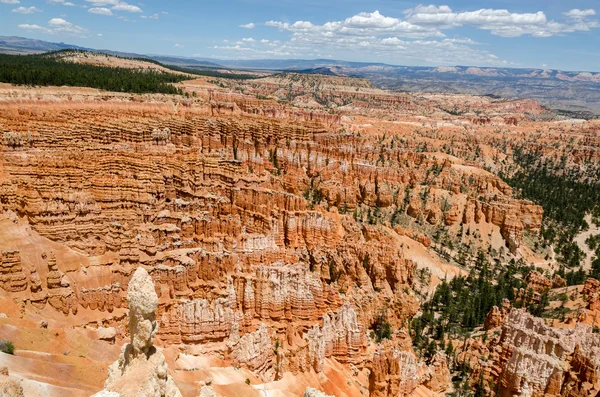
(293, 226)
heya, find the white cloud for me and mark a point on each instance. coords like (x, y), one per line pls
(502, 22)
(101, 11)
(116, 5)
(430, 21)
(248, 40)
(26, 10)
(103, 3)
(178, 46)
(9, 1)
(34, 28)
(122, 6)
(248, 26)
(100, 35)
(430, 9)
(363, 24)
(153, 16)
(420, 34)
(57, 26)
(125, 19)
(61, 2)
(576, 13)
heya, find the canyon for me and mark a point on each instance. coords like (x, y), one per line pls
(276, 220)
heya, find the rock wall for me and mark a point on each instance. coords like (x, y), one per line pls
(246, 217)
(530, 358)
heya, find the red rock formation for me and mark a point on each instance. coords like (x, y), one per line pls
(252, 218)
(537, 282)
(394, 373)
(495, 318)
(12, 277)
(531, 358)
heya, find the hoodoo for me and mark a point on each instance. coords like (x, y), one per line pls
(141, 370)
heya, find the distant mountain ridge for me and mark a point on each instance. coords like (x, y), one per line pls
(572, 91)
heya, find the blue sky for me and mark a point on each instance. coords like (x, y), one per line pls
(542, 34)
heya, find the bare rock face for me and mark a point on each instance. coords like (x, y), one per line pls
(437, 375)
(9, 386)
(143, 302)
(253, 349)
(208, 391)
(538, 282)
(558, 281)
(531, 358)
(340, 336)
(60, 294)
(310, 392)
(591, 287)
(394, 373)
(12, 277)
(141, 369)
(496, 316)
(107, 334)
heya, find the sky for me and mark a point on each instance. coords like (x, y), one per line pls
(547, 34)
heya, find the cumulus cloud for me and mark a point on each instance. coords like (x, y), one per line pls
(430, 9)
(57, 26)
(100, 11)
(248, 40)
(61, 2)
(576, 13)
(26, 10)
(115, 5)
(153, 16)
(501, 22)
(363, 24)
(430, 21)
(248, 26)
(421, 33)
(122, 6)
(178, 46)
(103, 3)
(9, 1)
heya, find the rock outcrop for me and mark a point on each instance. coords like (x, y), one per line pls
(12, 277)
(141, 370)
(495, 318)
(9, 386)
(531, 358)
(275, 230)
(310, 392)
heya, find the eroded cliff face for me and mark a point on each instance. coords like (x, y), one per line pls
(529, 358)
(223, 215)
(251, 218)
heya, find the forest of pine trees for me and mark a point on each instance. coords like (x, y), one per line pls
(567, 195)
(47, 70)
(461, 304)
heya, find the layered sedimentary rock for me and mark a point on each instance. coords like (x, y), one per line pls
(141, 369)
(271, 232)
(9, 386)
(12, 277)
(60, 294)
(340, 336)
(538, 282)
(393, 373)
(530, 358)
(495, 318)
(310, 392)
